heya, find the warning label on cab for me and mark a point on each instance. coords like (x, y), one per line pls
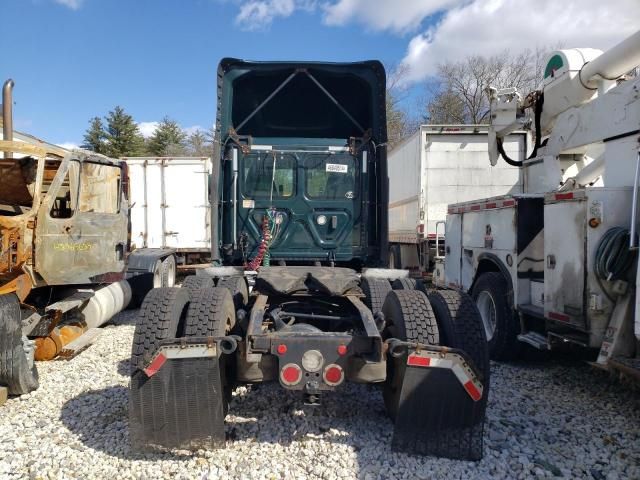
(337, 168)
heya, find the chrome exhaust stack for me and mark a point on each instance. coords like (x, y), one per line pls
(7, 114)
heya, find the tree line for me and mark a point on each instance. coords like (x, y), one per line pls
(117, 135)
(456, 94)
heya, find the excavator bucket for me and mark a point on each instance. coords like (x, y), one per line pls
(442, 407)
(177, 402)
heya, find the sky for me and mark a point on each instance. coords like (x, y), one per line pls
(72, 60)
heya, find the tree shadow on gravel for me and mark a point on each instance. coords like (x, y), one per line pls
(100, 419)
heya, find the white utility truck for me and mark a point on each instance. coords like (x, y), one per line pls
(436, 166)
(170, 210)
(557, 263)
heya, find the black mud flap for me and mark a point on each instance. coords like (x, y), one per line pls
(179, 407)
(439, 413)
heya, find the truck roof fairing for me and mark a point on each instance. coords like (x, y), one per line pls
(301, 99)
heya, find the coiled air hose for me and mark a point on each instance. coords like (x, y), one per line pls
(613, 257)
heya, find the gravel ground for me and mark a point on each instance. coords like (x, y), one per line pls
(545, 419)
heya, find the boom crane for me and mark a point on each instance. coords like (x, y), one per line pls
(558, 263)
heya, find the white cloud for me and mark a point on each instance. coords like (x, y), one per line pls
(147, 128)
(72, 4)
(259, 14)
(398, 16)
(69, 145)
(488, 27)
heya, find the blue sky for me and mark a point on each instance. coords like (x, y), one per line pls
(74, 59)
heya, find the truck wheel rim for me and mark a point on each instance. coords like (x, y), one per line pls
(171, 273)
(157, 275)
(487, 308)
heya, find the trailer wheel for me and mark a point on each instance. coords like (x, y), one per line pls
(409, 317)
(238, 288)
(193, 283)
(158, 319)
(17, 372)
(375, 291)
(395, 258)
(211, 313)
(169, 271)
(490, 293)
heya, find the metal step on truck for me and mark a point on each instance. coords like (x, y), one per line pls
(299, 198)
(436, 166)
(557, 264)
(64, 251)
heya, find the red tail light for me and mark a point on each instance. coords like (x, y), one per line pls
(333, 375)
(291, 374)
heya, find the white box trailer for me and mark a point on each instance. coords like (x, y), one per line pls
(436, 166)
(170, 197)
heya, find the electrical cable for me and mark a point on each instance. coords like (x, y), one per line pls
(539, 102)
(613, 257)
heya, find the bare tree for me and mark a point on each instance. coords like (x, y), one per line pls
(458, 94)
(399, 123)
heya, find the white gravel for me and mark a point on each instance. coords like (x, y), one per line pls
(545, 419)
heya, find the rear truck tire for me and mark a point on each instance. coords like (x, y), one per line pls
(395, 258)
(193, 283)
(460, 326)
(238, 288)
(158, 319)
(375, 292)
(491, 295)
(180, 405)
(17, 372)
(211, 313)
(409, 317)
(169, 271)
(404, 284)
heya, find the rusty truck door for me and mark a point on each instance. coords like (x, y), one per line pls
(81, 229)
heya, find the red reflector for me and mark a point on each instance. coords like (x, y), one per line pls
(421, 228)
(490, 205)
(475, 207)
(417, 361)
(282, 349)
(342, 350)
(291, 374)
(333, 375)
(508, 203)
(157, 363)
(472, 391)
(558, 316)
(564, 196)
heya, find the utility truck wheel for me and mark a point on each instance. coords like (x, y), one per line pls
(17, 371)
(238, 288)
(169, 271)
(395, 260)
(491, 295)
(158, 320)
(193, 283)
(211, 313)
(375, 291)
(409, 317)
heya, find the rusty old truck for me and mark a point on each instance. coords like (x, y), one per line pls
(64, 251)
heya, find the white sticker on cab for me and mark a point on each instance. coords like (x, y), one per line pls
(337, 168)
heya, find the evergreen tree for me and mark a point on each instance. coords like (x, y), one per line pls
(198, 146)
(95, 136)
(123, 138)
(168, 139)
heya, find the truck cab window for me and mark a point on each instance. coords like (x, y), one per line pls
(65, 199)
(99, 188)
(332, 177)
(260, 181)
